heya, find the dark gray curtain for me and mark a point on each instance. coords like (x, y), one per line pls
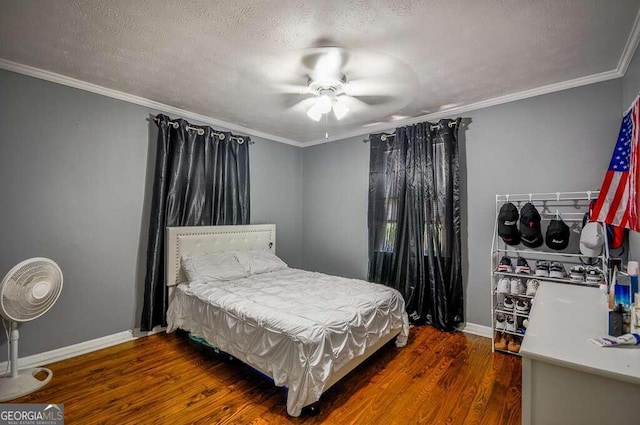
(200, 180)
(414, 220)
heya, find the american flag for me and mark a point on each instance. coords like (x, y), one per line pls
(618, 200)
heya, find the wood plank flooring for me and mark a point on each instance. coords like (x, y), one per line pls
(437, 378)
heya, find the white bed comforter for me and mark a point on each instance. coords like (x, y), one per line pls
(297, 326)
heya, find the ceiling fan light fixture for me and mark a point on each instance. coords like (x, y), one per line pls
(324, 103)
(340, 109)
(314, 112)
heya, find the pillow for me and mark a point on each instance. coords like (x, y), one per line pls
(256, 262)
(222, 266)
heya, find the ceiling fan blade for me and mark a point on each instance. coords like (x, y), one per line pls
(368, 63)
(288, 100)
(375, 87)
(325, 63)
(303, 106)
(353, 103)
(290, 88)
(376, 100)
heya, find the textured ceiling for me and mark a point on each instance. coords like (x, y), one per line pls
(225, 59)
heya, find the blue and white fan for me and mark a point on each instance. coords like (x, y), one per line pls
(28, 291)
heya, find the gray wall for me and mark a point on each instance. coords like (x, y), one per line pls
(630, 89)
(75, 171)
(334, 219)
(556, 142)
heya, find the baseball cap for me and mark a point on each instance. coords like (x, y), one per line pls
(507, 224)
(557, 234)
(530, 226)
(591, 239)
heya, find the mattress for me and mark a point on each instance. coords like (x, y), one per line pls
(298, 327)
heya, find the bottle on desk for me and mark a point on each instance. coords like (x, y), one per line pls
(623, 300)
(633, 269)
(619, 303)
(635, 315)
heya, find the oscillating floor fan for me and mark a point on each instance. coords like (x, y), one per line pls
(27, 292)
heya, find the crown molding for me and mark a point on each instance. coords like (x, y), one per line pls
(623, 64)
(551, 88)
(137, 100)
(630, 47)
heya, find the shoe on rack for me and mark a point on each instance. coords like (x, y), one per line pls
(505, 265)
(514, 345)
(577, 273)
(501, 341)
(542, 268)
(500, 322)
(508, 304)
(520, 325)
(557, 271)
(522, 306)
(511, 324)
(504, 285)
(594, 275)
(532, 287)
(522, 266)
(517, 288)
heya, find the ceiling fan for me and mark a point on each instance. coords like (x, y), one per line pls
(339, 80)
(327, 82)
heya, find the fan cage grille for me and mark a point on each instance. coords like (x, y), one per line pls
(30, 289)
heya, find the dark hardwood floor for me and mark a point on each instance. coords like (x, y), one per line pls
(437, 378)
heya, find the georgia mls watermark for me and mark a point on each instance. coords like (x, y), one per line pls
(31, 414)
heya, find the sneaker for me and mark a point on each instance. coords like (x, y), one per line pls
(532, 287)
(504, 286)
(508, 304)
(522, 306)
(522, 266)
(520, 325)
(505, 265)
(511, 324)
(500, 322)
(517, 288)
(542, 268)
(577, 273)
(514, 345)
(556, 270)
(594, 275)
(501, 341)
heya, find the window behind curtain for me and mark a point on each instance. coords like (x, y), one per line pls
(392, 189)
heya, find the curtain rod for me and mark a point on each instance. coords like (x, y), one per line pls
(200, 131)
(433, 127)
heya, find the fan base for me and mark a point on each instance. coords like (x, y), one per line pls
(25, 383)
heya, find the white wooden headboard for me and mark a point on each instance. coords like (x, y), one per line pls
(201, 240)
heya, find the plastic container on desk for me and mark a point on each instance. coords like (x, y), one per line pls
(633, 269)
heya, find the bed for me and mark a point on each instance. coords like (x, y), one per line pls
(304, 330)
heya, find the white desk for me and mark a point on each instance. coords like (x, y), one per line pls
(565, 378)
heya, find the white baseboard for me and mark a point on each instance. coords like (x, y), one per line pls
(479, 330)
(63, 353)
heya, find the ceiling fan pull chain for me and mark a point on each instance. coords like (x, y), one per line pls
(326, 126)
